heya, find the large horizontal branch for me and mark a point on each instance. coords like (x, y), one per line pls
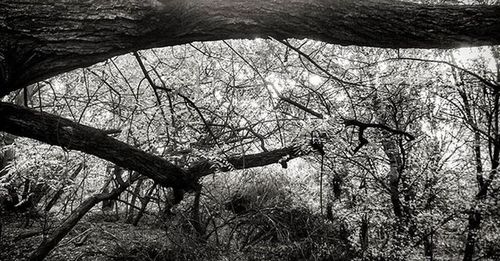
(69, 135)
(364, 125)
(207, 167)
(62, 132)
(43, 38)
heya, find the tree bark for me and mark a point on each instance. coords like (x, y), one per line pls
(73, 136)
(196, 218)
(135, 195)
(6, 155)
(473, 229)
(57, 195)
(429, 247)
(475, 213)
(44, 249)
(144, 204)
(41, 39)
(70, 135)
(474, 217)
(363, 234)
(395, 169)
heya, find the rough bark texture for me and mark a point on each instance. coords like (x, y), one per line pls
(394, 175)
(69, 135)
(73, 136)
(206, 167)
(44, 38)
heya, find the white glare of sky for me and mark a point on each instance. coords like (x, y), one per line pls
(315, 80)
(466, 56)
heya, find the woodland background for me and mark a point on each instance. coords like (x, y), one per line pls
(304, 151)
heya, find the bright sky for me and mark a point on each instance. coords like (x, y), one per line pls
(466, 56)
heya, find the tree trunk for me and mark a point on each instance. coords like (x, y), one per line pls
(144, 204)
(196, 219)
(329, 211)
(70, 135)
(38, 192)
(472, 233)
(57, 195)
(51, 242)
(113, 172)
(394, 176)
(135, 195)
(475, 213)
(429, 246)
(6, 155)
(363, 233)
(41, 39)
(474, 218)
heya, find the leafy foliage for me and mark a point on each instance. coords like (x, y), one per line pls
(386, 196)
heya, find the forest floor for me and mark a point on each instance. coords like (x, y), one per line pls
(90, 240)
(96, 238)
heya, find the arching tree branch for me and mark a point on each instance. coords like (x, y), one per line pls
(62, 132)
(363, 126)
(41, 39)
(70, 135)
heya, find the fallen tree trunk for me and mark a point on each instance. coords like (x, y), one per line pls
(41, 39)
(70, 135)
